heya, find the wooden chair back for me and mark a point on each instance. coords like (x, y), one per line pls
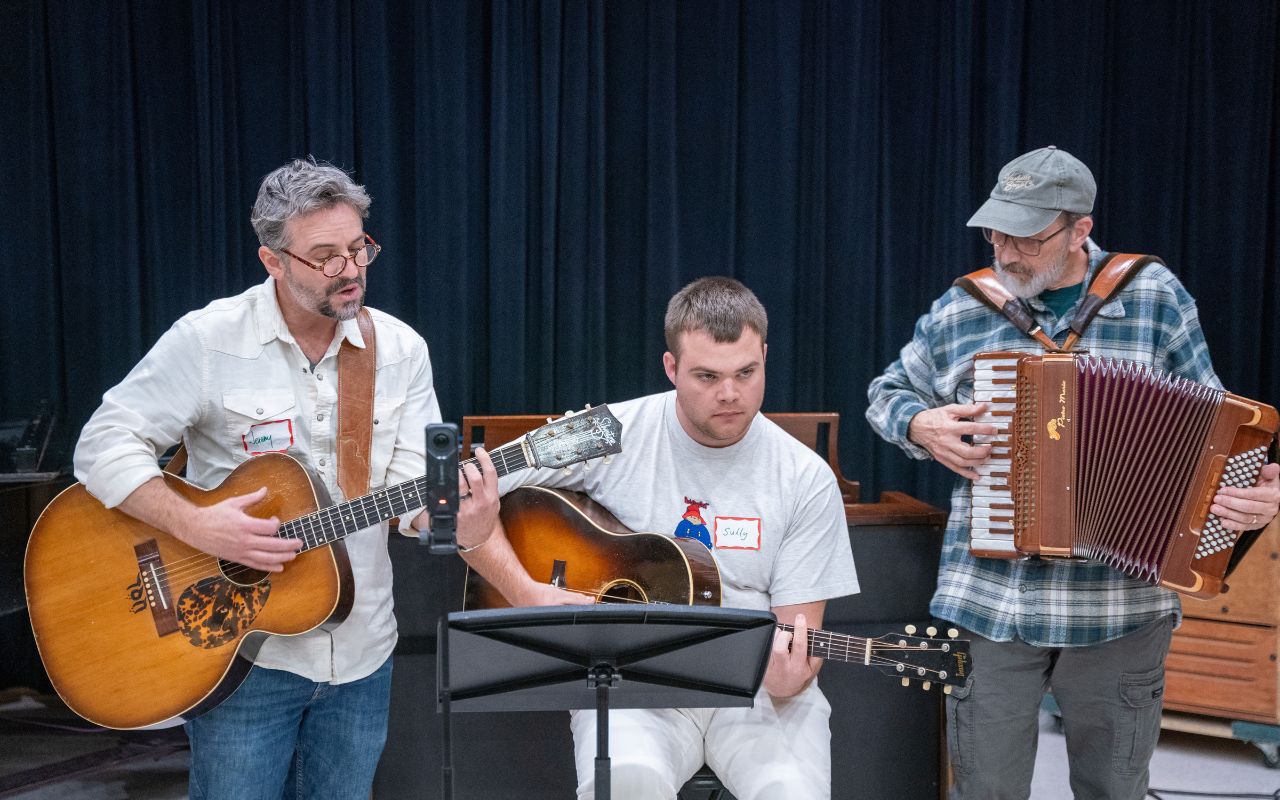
(494, 430)
(820, 430)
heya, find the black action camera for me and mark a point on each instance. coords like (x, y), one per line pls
(442, 488)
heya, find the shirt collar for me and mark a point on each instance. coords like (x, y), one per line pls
(270, 323)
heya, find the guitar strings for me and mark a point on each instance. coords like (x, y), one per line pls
(506, 458)
(847, 645)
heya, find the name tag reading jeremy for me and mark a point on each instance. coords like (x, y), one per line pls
(737, 533)
(275, 436)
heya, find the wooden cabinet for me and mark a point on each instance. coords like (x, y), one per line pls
(1222, 661)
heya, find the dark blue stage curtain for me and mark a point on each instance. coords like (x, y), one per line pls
(546, 174)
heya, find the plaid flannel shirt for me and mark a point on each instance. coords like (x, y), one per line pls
(1042, 602)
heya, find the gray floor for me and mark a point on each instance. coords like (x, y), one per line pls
(1183, 762)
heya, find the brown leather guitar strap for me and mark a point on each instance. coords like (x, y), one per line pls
(984, 285)
(1112, 276)
(177, 461)
(357, 370)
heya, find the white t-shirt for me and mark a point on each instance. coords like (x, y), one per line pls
(768, 505)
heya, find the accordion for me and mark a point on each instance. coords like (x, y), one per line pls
(1113, 461)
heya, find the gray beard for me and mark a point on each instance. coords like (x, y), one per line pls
(1026, 288)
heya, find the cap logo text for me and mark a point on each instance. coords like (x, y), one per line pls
(1017, 180)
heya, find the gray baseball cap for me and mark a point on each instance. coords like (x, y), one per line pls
(1033, 189)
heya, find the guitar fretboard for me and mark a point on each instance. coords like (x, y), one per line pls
(330, 524)
(836, 646)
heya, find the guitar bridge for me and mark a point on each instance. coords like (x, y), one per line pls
(155, 587)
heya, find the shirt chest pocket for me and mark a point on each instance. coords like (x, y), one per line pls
(260, 421)
(386, 426)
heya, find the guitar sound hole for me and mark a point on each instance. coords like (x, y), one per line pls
(622, 592)
(241, 575)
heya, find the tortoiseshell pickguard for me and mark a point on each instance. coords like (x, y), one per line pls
(216, 611)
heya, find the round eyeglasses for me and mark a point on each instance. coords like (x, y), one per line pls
(333, 266)
(1023, 244)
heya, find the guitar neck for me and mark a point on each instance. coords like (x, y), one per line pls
(328, 525)
(833, 646)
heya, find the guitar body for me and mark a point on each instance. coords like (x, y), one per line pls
(567, 539)
(139, 630)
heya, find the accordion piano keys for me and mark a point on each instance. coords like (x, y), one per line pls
(991, 522)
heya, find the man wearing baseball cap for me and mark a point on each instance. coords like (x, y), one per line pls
(1092, 635)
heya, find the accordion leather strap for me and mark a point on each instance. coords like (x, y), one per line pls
(1112, 276)
(985, 286)
(356, 374)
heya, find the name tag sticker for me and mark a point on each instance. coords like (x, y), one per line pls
(275, 436)
(737, 533)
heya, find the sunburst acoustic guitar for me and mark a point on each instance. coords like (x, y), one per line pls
(568, 540)
(139, 630)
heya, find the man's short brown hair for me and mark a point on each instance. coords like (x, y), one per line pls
(718, 305)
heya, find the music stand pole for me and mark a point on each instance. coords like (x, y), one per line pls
(603, 678)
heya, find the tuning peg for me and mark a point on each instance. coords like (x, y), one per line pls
(910, 629)
(926, 685)
(906, 681)
(953, 633)
(946, 690)
(550, 420)
(932, 631)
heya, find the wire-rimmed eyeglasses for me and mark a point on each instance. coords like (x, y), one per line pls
(1026, 245)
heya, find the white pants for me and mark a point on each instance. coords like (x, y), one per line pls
(777, 750)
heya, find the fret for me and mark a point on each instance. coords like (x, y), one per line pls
(365, 508)
(307, 526)
(329, 519)
(379, 500)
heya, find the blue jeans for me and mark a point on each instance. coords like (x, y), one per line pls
(283, 736)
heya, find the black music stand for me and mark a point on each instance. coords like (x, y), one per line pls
(572, 657)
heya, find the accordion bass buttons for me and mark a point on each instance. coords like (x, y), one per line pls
(1241, 470)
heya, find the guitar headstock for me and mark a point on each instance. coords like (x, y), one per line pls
(927, 660)
(576, 437)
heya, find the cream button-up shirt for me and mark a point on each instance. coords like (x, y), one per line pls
(231, 381)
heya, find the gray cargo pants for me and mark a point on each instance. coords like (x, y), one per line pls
(1110, 695)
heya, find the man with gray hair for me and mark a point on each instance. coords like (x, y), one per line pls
(1094, 636)
(702, 463)
(258, 373)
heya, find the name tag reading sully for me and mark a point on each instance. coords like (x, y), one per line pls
(275, 436)
(737, 533)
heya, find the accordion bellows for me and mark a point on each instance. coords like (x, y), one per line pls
(1113, 461)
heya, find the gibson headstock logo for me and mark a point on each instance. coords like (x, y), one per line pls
(962, 664)
(1059, 423)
